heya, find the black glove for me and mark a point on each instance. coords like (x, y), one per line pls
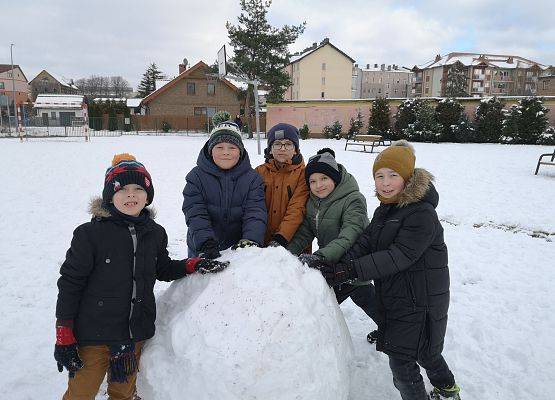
(244, 243)
(205, 266)
(278, 240)
(312, 260)
(67, 356)
(338, 274)
(210, 250)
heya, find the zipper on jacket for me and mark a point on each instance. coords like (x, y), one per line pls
(134, 293)
(410, 289)
(317, 214)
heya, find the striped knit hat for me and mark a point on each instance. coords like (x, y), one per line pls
(125, 169)
(324, 163)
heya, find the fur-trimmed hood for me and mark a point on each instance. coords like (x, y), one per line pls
(419, 188)
(97, 211)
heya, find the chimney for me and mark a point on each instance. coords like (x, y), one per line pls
(438, 57)
(314, 45)
(389, 67)
(182, 67)
(376, 66)
(326, 40)
(367, 66)
(510, 60)
(382, 67)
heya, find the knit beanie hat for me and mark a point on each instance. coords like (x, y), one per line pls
(399, 157)
(283, 131)
(126, 169)
(324, 163)
(226, 132)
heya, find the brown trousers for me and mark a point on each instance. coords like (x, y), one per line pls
(87, 381)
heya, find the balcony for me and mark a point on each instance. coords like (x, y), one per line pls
(478, 89)
(478, 77)
(417, 79)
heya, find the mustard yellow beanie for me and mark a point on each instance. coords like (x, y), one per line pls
(399, 157)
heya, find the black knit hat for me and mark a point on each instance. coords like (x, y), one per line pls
(324, 163)
(226, 132)
(125, 170)
(283, 131)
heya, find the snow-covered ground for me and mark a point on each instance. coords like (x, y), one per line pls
(499, 223)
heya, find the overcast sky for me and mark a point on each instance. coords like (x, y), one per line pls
(76, 39)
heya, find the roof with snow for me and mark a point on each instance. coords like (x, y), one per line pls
(133, 103)
(58, 101)
(297, 57)
(61, 79)
(183, 75)
(475, 59)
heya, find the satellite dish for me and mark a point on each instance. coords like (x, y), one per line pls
(185, 62)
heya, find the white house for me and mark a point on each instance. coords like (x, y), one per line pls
(60, 109)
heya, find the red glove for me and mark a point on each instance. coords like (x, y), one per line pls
(204, 265)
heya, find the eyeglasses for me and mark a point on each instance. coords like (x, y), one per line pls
(284, 145)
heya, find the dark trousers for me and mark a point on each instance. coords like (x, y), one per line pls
(409, 382)
(363, 296)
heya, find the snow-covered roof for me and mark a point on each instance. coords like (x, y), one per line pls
(402, 70)
(158, 83)
(473, 59)
(297, 57)
(64, 81)
(134, 102)
(101, 99)
(58, 101)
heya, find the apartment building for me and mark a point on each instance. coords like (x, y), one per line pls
(546, 82)
(381, 81)
(322, 71)
(486, 75)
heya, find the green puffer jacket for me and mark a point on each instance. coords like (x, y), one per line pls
(336, 221)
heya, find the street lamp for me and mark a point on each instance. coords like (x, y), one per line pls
(13, 90)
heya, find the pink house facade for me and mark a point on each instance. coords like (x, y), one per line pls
(319, 113)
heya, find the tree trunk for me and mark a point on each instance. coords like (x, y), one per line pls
(248, 112)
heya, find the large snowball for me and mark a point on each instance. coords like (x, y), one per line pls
(266, 328)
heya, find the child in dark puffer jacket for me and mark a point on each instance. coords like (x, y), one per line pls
(106, 308)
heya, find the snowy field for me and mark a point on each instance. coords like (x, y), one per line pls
(499, 224)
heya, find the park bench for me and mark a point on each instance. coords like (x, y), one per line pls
(367, 141)
(540, 162)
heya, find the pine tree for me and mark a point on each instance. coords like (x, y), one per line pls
(489, 120)
(261, 50)
(456, 85)
(449, 113)
(425, 127)
(148, 83)
(355, 125)
(406, 115)
(380, 120)
(525, 122)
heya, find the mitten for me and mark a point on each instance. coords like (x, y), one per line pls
(338, 274)
(65, 350)
(312, 260)
(243, 243)
(209, 250)
(278, 240)
(204, 265)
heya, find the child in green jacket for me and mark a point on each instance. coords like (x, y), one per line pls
(336, 215)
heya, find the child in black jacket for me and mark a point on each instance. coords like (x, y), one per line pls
(106, 307)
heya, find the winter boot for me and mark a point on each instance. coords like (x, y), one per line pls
(450, 393)
(372, 337)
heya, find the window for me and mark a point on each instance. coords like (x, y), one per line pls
(190, 88)
(323, 66)
(545, 84)
(210, 111)
(426, 90)
(211, 89)
(53, 115)
(1, 85)
(200, 110)
(323, 94)
(395, 90)
(427, 78)
(379, 90)
(388, 85)
(323, 80)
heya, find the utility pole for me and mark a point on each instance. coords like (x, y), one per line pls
(13, 90)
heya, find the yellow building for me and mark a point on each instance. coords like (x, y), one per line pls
(320, 72)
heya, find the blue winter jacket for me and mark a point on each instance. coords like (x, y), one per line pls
(224, 205)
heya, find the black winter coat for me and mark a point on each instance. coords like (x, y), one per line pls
(96, 283)
(403, 251)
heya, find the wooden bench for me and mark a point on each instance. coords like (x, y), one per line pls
(540, 162)
(367, 140)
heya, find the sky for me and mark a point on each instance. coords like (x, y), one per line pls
(76, 39)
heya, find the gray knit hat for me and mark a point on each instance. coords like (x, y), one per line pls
(324, 163)
(226, 132)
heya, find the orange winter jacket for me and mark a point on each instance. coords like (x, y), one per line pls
(286, 195)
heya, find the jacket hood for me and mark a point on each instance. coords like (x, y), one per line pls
(419, 188)
(205, 162)
(97, 211)
(347, 186)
